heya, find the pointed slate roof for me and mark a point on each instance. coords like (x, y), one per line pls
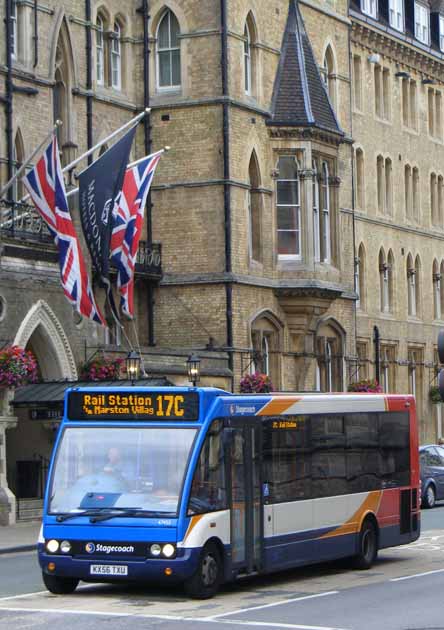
(300, 98)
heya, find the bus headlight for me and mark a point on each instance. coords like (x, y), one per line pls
(155, 550)
(65, 546)
(52, 546)
(168, 550)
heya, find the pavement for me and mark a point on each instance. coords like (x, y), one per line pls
(19, 537)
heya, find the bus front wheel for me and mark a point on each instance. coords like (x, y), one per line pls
(59, 585)
(368, 546)
(206, 580)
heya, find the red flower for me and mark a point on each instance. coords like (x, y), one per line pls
(256, 383)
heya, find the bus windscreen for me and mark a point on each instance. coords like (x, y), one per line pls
(136, 405)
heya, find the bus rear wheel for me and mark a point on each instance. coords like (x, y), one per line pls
(206, 580)
(59, 585)
(368, 546)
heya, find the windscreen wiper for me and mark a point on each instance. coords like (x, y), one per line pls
(65, 517)
(123, 512)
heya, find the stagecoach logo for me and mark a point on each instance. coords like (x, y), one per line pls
(242, 409)
(91, 548)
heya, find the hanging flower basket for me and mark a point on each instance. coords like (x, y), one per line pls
(101, 368)
(17, 367)
(366, 385)
(434, 395)
(256, 383)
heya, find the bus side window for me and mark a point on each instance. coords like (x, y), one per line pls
(394, 444)
(208, 490)
(286, 466)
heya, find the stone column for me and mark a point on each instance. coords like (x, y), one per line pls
(7, 421)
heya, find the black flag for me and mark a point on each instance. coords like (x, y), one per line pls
(100, 186)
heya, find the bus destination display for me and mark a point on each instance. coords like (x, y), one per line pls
(133, 405)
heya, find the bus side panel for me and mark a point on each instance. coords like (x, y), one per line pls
(203, 527)
(290, 542)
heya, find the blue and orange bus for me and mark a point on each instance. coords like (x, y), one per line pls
(201, 486)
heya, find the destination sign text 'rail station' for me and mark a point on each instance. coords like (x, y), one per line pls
(133, 405)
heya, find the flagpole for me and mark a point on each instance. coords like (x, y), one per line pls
(26, 163)
(147, 156)
(70, 166)
(74, 190)
(130, 123)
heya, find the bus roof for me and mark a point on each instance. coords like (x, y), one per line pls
(190, 404)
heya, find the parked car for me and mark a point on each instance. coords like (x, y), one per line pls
(431, 458)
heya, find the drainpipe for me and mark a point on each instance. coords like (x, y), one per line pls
(36, 34)
(89, 98)
(8, 97)
(147, 141)
(227, 195)
(377, 341)
(353, 194)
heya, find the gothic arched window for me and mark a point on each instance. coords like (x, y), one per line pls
(168, 52)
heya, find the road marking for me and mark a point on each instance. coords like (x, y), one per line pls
(267, 624)
(4, 599)
(409, 577)
(260, 624)
(82, 587)
(62, 611)
(279, 603)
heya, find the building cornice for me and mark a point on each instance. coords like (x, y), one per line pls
(394, 226)
(281, 285)
(402, 49)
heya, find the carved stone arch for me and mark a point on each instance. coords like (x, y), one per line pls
(265, 313)
(251, 21)
(157, 11)
(50, 343)
(329, 51)
(253, 162)
(104, 13)
(61, 27)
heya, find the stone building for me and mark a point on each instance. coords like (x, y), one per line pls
(397, 63)
(257, 230)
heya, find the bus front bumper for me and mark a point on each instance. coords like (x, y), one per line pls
(175, 569)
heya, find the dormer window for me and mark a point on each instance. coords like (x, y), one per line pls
(422, 26)
(369, 7)
(396, 14)
(441, 33)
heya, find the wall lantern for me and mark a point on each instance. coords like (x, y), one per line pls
(132, 363)
(193, 368)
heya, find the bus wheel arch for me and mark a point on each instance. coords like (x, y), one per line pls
(368, 542)
(205, 581)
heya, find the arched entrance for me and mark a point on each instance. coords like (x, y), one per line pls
(29, 444)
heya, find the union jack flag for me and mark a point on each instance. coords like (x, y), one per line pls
(47, 189)
(127, 227)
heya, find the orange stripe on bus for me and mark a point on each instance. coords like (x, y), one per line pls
(277, 406)
(194, 521)
(353, 524)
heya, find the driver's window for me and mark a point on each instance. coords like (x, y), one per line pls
(208, 490)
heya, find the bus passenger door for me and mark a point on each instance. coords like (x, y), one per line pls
(245, 498)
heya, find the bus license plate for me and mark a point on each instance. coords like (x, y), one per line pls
(108, 569)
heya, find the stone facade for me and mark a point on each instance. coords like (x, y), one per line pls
(397, 129)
